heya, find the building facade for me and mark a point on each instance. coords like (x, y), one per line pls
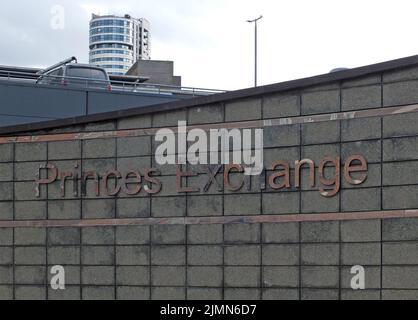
(339, 190)
(116, 43)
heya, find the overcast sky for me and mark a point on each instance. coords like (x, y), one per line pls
(210, 41)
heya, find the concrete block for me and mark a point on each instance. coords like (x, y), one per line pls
(205, 234)
(400, 229)
(399, 149)
(204, 206)
(363, 254)
(6, 275)
(132, 276)
(408, 73)
(100, 126)
(6, 211)
(279, 106)
(99, 148)
(363, 295)
(168, 207)
(72, 293)
(366, 97)
(6, 256)
(168, 276)
(30, 293)
(168, 255)
(242, 204)
(289, 154)
(205, 277)
(200, 294)
(64, 255)
(400, 253)
(168, 119)
(23, 191)
(30, 256)
(320, 102)
(64, 209)
(99, 209)
(400, 125)
(400, 197)
(6, 152)
(72, 275)
(167, 234)
(134, 163)
(6, 172)
(6, 293)
(30, 210)
(280, 233)
(372, 277)
(281, 277)
(321, 132)
(400, 277)
(99, 165)
(206, 114)
(361, 231)
(242, 294)
(399, 295)
(242, 233)
(234, 277)
(319, 295)
(281, 255)
(361, 129)
(98, 293)
(133, 208)
(318, 152)
(64, 236)
(241, 110)
(98, 256)
(137, 122)
(320, 277)
(98, 276)
(356, 200)
(362, 81)
(320, 232)
(400, 93)
(168, 294)
(133, 293)
(321, 254)
(243, 255)
(400, 173)
(314, 202)
(371, 150)
(205, 255)
(6, 191)
(29, 236)
(281, 294)
(30, 152)
(64, 150)
(98, 236)
(281, 136)
(281, 203)
(134, 147)
(132, 255)
(6, 236)
(132, 235)
(30, 275)
(374, 177)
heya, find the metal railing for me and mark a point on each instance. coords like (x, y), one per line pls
(116, 86)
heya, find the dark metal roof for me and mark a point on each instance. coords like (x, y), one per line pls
(216, 98)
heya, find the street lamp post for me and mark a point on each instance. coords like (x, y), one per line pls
(256, 48)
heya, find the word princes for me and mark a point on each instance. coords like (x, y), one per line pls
(275, 177)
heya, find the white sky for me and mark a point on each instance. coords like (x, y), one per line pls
(213, 45)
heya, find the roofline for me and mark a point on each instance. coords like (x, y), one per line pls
(212, 99)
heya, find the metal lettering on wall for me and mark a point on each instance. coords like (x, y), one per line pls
(277, 177)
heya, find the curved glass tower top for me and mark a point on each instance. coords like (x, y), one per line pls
(116, 43)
